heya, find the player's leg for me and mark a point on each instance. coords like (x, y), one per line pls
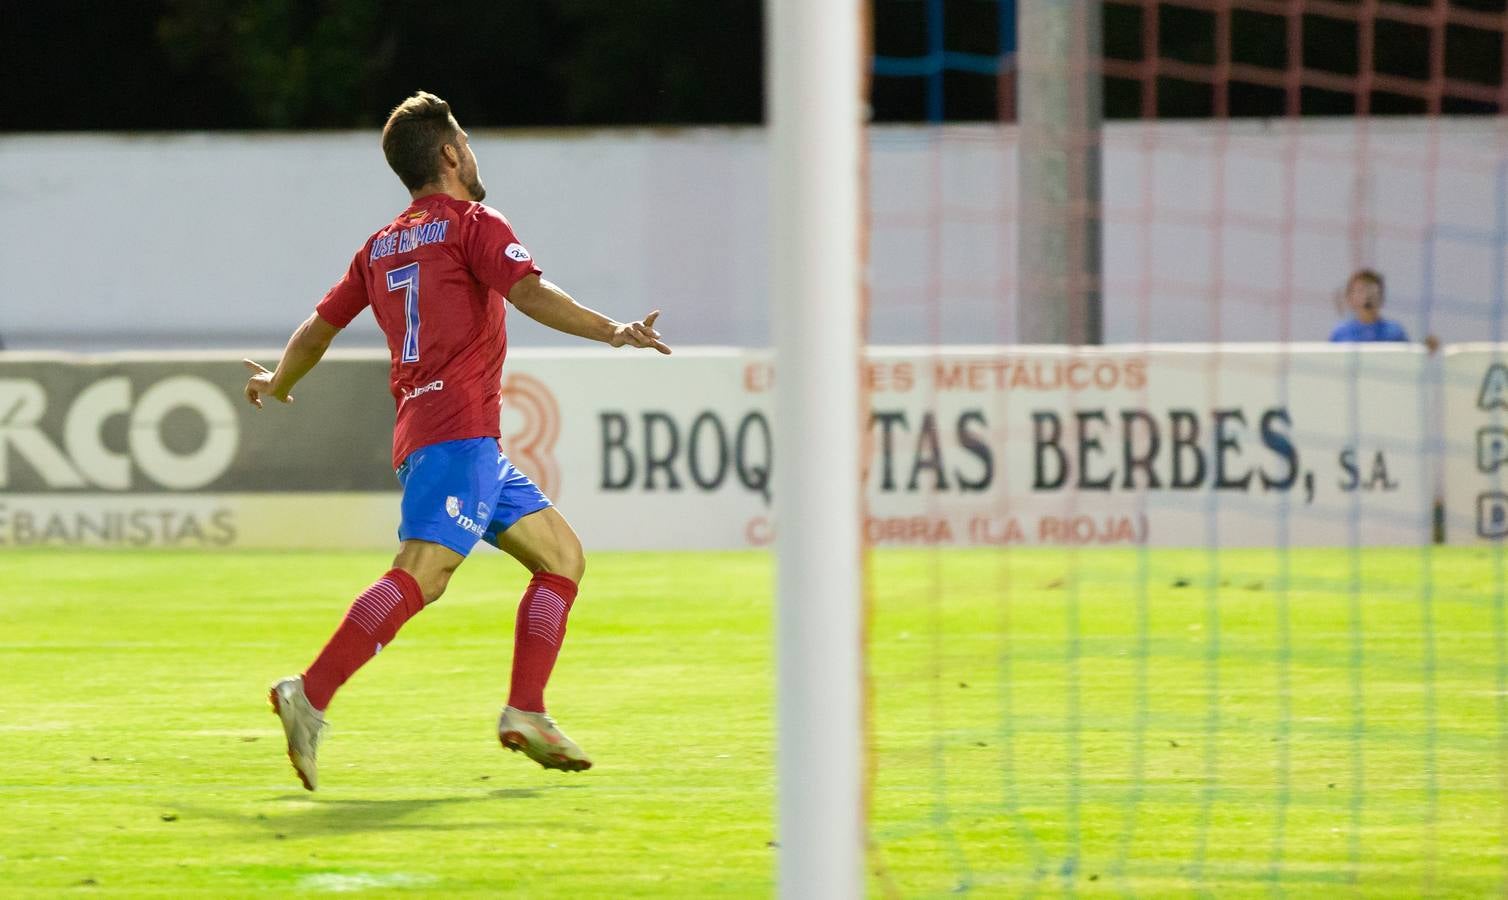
(445, 486)
(370, 623)
(417, 578)
(543, 541)
(545, 544)
(430, 564)
(530, 530)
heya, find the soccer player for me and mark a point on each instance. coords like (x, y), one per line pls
(435, 278)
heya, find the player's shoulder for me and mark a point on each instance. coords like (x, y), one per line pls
(1393, 331)
(1343, 331)
(473, 212)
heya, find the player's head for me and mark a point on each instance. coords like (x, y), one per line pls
(1364, 294)
(427, 148)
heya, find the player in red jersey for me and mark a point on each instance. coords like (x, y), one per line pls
(435, 278)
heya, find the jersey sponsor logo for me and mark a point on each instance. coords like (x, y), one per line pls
(453, 509)
(85, 458)
(483, 511)
(411, 393)
(531, 427)
(517, 252)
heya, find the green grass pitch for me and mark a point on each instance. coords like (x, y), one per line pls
(1046, 722)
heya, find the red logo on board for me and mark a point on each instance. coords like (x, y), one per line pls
(531, 446)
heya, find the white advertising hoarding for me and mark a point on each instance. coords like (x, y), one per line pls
(1475, 386)
(1239, 445)
(641, 451)
(1245, 445)
(1176, 446)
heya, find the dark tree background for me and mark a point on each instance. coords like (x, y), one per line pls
(237, 64)
(256, 64)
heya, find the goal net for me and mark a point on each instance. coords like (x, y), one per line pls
(1216, 605)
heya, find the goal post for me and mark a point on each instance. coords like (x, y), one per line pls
(815, 128)
(1058, 103)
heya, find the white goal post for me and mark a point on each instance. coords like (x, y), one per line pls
(813, 78)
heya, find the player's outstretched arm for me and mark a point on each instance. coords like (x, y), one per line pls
(549, 305)
(305, 348)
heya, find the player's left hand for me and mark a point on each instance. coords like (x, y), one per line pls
(640, 334)
(260, 385)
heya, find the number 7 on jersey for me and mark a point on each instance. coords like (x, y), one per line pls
(406, 278)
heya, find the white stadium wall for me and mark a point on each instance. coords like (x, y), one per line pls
(151, 241)
(1254, 445)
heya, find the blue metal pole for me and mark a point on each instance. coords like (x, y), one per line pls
(936, 62)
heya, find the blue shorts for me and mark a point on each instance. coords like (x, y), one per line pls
(456, 493)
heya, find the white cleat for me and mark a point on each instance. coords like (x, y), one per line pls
(302, 724)
(536, 735)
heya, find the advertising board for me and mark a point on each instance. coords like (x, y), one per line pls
(1176, 445)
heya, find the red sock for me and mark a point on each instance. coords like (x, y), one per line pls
(370, 624)
(537, 634)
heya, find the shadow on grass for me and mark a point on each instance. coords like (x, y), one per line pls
(309, 815)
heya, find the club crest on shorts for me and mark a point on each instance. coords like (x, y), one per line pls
(452, 506)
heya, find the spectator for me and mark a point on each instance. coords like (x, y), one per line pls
(1364, 298)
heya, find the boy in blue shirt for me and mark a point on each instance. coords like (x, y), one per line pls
(1364, 299)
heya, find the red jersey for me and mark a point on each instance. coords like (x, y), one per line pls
(435, 278)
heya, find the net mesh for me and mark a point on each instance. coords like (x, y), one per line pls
(1169, 684)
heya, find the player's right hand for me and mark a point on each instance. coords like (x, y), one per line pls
(639, 334)
(260, 385)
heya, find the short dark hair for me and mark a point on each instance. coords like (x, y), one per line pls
(411, 140)
(1368, 275)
